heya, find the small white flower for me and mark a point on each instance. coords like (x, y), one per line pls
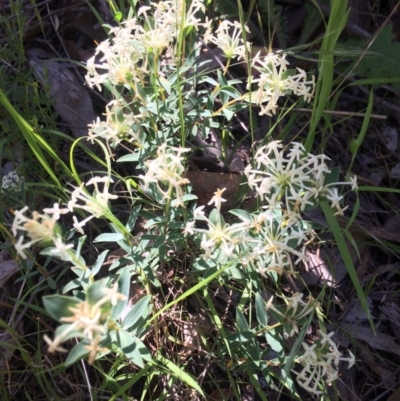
(353, 182)
(61, 250)
(19, 217)
(79, 224)
(53, 345)
(335, 198)
(273, 82)
(167, 171)
(217, 199)
(90, 326)
(230, 43)
(208, 245)
(20, 247)
(56, 211)
(189, 228)
(121, 124)
(113, 295)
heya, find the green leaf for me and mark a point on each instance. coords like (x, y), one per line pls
(345, 254)
(132, 348)
(230, 91)
(35, 141)
(180, 374)
(165, 84)
(275, 342)
(77, 353)
(133, 217)
(118, 16)
(209, 80)
(94, 291)
(254, 351)
(58, 306)
(241, 337)
(99, 262)
(124, 285)
(216, 218)
(71, 285)
(109, 237)
(332, 177)
(81, 241)
(185, 198)
(241, 321)
(227, 113)
(131, 157)
(155, 221)
(135, 320)
(243, 215)
(363, 131)
(261, 313)
(382, 59)
(337, 21)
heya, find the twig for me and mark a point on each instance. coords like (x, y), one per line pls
(341, 113)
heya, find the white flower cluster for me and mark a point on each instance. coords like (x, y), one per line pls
(294, 181)
(294, 311)
(228, 37)
(274, 243)
(90, 320)
(125, 61)
(261, 239)
(218, 235)
(43, 229)
(97, 204)
(321, 361)
(274, 81)
(271, 240)
(166, 171)
(124, 57)
(120, 125)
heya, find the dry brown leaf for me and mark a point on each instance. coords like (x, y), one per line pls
(86, 22)
(355, 313)
(379, 341)
(71, 100)
(380, 234)
(387, 376)
(77, 53)
(205, 184)
(392, 312)
(8, 267)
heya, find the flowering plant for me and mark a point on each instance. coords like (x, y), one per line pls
(159, 110)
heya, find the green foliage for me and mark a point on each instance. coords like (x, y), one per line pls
(58, 306)
(337, 21)
(382, 59)
(161, 112)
